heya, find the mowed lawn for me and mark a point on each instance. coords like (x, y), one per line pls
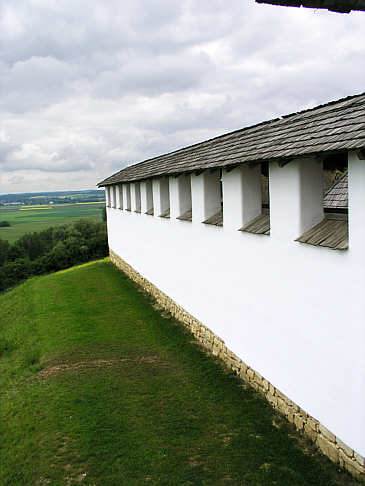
(97, 388)
(26, 219)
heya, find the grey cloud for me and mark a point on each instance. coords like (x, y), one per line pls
(52, 165)
(72, 30)
(87, 87)
(35, 83)
(7, 147)
(152, 76)
(50, 53)
(16, 179)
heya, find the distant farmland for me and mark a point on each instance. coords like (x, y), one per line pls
(26, 219)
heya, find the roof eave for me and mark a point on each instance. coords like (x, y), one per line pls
(229, 166)
(327, 5)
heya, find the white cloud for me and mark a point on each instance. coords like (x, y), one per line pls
(90, 86)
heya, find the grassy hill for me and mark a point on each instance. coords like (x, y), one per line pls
(97, 388)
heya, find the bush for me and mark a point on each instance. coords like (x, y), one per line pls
(4, 224)
(4, 251)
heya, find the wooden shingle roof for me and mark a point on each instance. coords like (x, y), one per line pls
(337, 196)
(342, 6)
(334, 127)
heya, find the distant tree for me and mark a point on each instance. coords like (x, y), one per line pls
(14, 272)
(16, 251)
(50, 250)
(4, 224)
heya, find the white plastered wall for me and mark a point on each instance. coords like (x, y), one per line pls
(205, 195)
(119, 196)
(180, 195)
(164, 194)
(293, 312)
(126, 188)
(136, 197)
(110, 194)
(146, 196)
(107, 196)
(242, 198)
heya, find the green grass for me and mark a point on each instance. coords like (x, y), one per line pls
(37, 219)
(97, 388)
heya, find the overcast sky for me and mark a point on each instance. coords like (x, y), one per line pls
(88, 87)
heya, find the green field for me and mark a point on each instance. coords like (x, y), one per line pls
(26, 219)
(98, 389)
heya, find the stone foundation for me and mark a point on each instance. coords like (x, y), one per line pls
(327, 442)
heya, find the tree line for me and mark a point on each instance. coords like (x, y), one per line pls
(50, 250)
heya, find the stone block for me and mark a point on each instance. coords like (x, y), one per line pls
(265, 385)
(355, 469)
(342, 458)
(250, 374)
(299, 421)
(281, 396)
(290, 415)
(310, 431)
(243, 373)
(258, 378)
(327, 434)
(272, 399)
(360, 460)
(244, 367)
(328, 448)
(215, 351)
(346, 449)
(281, 404)
(312, 423)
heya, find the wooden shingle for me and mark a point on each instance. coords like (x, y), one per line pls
(337, 196)
(332, 233)
(187, 216)
(165, 214)
(335, 127)
(259, 225)
(216, 219)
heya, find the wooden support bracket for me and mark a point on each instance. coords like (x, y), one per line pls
(229, 168)
(283, 163)
(251, 165)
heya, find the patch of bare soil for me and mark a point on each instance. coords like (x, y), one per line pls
(92, 364)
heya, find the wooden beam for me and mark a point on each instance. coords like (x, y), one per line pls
(229, 168)
(283, 163)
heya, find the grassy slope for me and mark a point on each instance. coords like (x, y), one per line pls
(98, 389)
(37, 219)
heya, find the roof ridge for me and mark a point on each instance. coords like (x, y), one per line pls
(266, 122)
(214, 143)
(333, 102)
